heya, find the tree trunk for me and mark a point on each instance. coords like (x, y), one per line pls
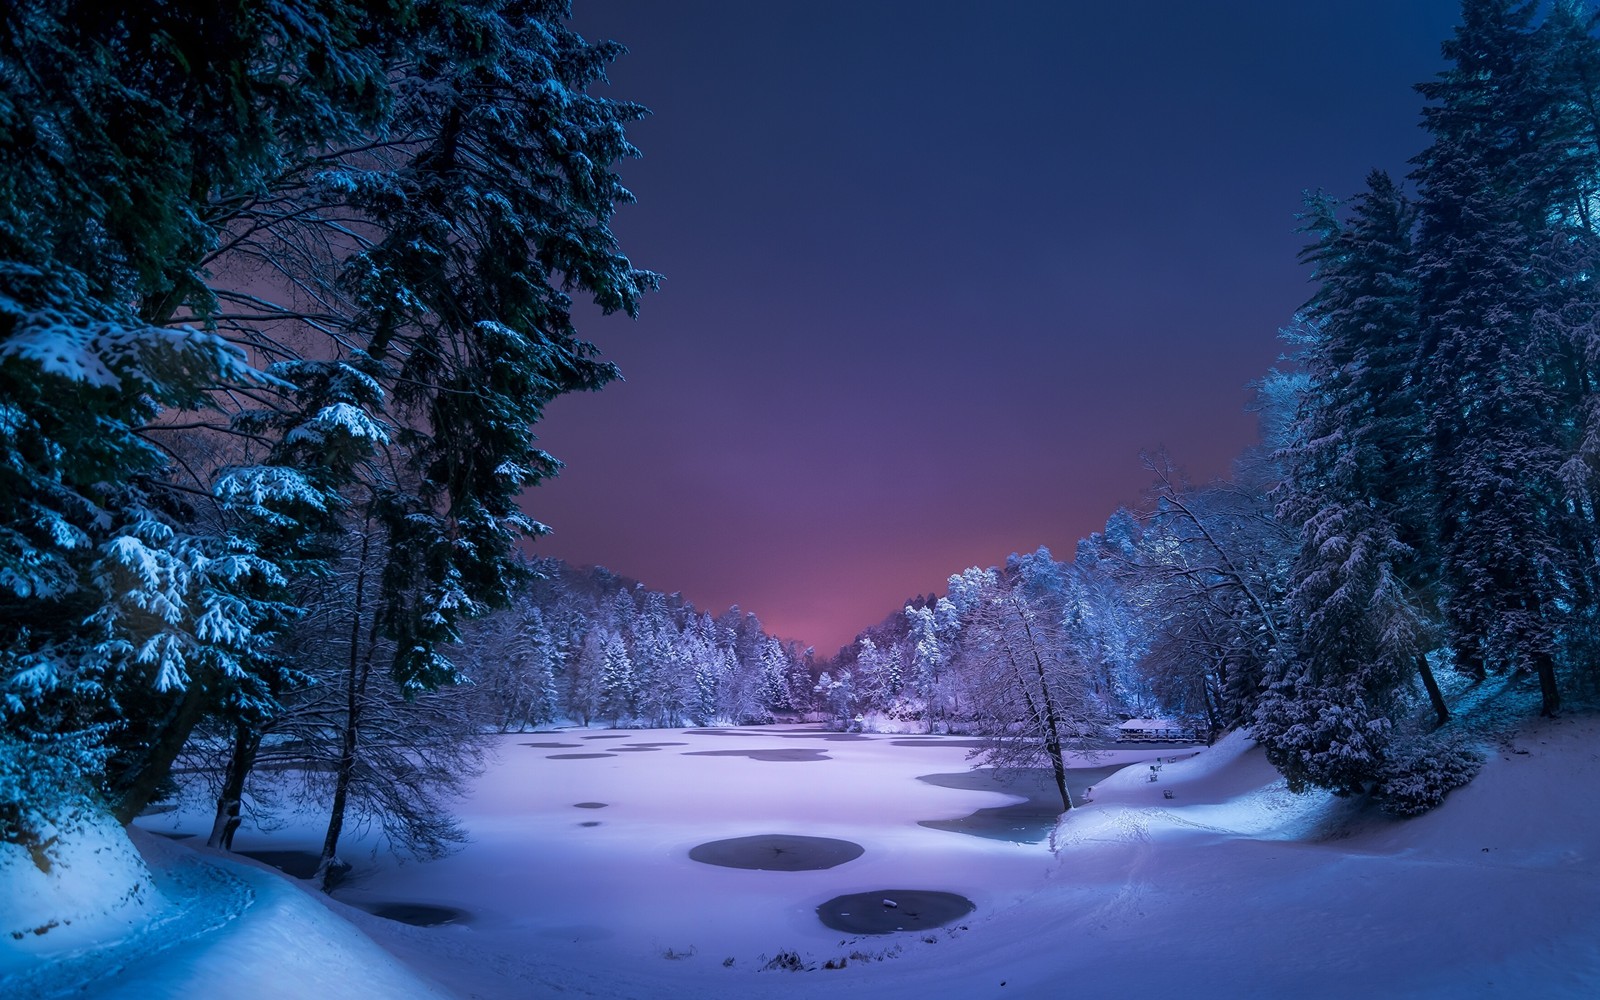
(1551, 695)
(164, 749)
(1213, 724)
(1435, 696)
(1052, 736)
(329, 868)
(360, 667)
(246, 743)
(1059, 766)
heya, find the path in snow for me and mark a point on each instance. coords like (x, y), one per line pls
(228, 929)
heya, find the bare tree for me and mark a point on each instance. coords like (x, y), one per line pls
(1031, 693)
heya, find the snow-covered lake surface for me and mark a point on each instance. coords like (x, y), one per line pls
(1230, 887)
(581, 840)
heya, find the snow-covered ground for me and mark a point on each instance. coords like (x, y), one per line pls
(1230, 887)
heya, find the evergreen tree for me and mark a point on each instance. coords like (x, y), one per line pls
(431, 182)
(1501, 184)
(1358, 634)
(616, 680)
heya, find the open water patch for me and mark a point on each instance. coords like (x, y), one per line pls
(577, 756)
(887, 911)
(758, 734)
(777, 852)
(959, 742)
(1026, 822)
(780, 754)
(299, 864)
(416, 914)
(553, 746)
(590, 805)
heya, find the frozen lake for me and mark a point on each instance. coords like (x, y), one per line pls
(580, 841)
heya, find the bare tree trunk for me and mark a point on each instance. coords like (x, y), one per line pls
(1211, 699)
(1550, 694)
(1052, 742)
(1045, 719)
(359, 669)
(163, 750)
(246, 743)
(1435, 696)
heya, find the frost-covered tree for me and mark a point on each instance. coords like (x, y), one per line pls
(836, 696)
(1206, 569)
(800, 681)
(585, 683)
(774, 680)
(616, 680)
(928, 658)
(1031, 696)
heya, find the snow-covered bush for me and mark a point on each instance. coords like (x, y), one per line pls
(64, 862)
(43, 783)
(1420, 774)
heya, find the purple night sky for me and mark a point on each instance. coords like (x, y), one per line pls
(937, 272)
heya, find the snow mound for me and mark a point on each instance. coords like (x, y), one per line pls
(1229, 789)
(84, 882)
(1522, 808)
(203, 921)
(281, 936)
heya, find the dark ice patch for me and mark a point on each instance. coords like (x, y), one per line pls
(778, 754)
(300, 864)
(912, 910)
(415, 914)
(1027, 822)
(577, 756)
(777, 852)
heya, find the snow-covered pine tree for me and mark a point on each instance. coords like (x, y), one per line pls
(928, 659)
(616, 680)
(130, 134)
(1356, 634)
(1499, 186)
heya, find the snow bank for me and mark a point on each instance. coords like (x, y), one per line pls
(1229, 789)
(282, 943)
(193, 925)
(84, 883)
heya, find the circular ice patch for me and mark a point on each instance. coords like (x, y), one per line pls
(885, 911)
(777, 852)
